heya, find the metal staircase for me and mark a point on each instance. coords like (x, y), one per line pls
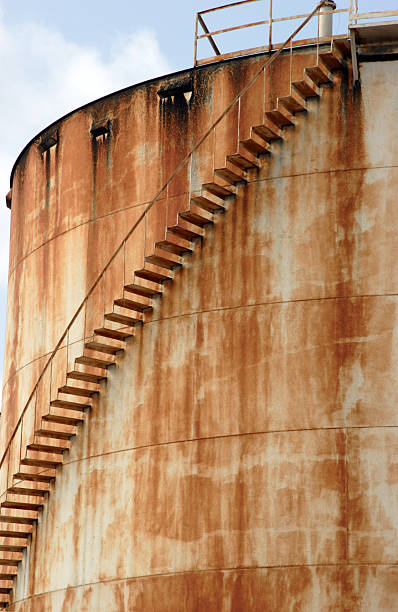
(36, 468)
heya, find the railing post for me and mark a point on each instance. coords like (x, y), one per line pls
(238, 130)
(270, 27)
(195, 56)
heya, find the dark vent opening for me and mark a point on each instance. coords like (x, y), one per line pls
(48, 141)
(174, 88)
(8, 199)
(100, 128)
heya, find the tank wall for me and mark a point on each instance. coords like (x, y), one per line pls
(242, 456)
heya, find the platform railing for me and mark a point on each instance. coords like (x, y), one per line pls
(356, 15)
(173, 197)
(351, 13)
(270, 44)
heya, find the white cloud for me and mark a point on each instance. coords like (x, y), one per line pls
(44, 75)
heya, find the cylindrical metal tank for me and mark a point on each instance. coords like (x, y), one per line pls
(241, 456)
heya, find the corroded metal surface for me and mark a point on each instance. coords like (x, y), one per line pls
(242, 455)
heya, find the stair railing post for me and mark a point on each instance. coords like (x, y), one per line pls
(291, 66)
(238, 127)
(67, 346)
(104, 299)
(35, 412)
(265, 93)
(20, 441)
(8, 467)
(124, 265)
(214, 146)
(190, 170)
(167, 212)
(262, 118)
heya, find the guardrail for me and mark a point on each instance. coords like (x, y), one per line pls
(356, 16)
(352, 12)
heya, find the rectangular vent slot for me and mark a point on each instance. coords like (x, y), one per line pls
(48, 141)
(175, 88)
(100, 128)
(8, 199)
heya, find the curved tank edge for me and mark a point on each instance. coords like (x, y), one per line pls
(87, 105)
(178, 73)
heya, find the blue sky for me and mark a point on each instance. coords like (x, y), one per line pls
(55, 56)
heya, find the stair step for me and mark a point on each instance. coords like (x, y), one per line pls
(9, 533)
(17, 520)
(115, 334)
(307, 88)
(221, 182)
(164, 259)
(54, 435)
(318, 75)
(5, 591)
(209, 202)
(102, 347)
(44, 463)
(26, 491)
(94, 361)
(78, 391)
(21, 505)
(58, 403)
(268, 131)
(281, 117)
(154, 273)
(144, 291)
(231, 174)
(197, 216)
(118, 317)
(8, 575)
(219, 190)
(85, 376)
(12, 548)
(175, 244)
(33, 477)
(255, 144)
(294, 103)
(64, 420)
(244, 161)
(132, 304)
(47, 448)
(333, 59)
(10, 562)
(186, 229)
(343, 45)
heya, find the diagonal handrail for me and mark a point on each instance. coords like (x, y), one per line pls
(143, 215)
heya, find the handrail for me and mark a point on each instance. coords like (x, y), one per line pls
(373, 15)
(143, 215)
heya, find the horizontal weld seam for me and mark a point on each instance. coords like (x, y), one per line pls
(223, 436)
(208, 571)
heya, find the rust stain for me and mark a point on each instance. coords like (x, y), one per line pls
(224, 450)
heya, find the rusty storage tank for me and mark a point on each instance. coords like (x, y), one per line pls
(241, 452)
